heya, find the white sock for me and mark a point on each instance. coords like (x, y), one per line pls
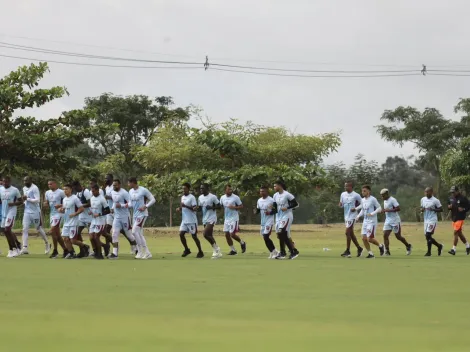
(467, 245)
(242, 242)
(115, 251)
(381, 245)
(233, 248)
(25, 238)
(43, 235)
(454, 249)
(371, 253)
(215, 246)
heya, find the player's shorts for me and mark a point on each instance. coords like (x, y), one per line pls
(231, 227)
(189, 228)
(209, 223)
(266, 229)
(121, 224)
(368, 230)
(458, 225)
(8, 222)
(97, 228)
(109, 219)
(139, 222)
(429, 227)
(349, 223)
(55, 221)
(31, 219)
(395, 227)
(84, 223)
(69, 231)
(284, 224)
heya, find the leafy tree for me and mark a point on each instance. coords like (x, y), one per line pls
(363, 171)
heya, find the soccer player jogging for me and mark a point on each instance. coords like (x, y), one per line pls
(430, 206)
(370, 207)
(122, 219)
(99, 209)
(141, 200)
(84, 219)
(188, 208)
(231, 204)
(53, 199)
(392, 222)
(348, 201)
(11, 199)
(208, 203)
(32, 214)
(71, 208)
(267, 208)
(459, 206)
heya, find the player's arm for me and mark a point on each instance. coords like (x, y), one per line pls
(464, 204)
(127, 201)
(105, 207)
(80, 208)
(36, 197)
(378, 208)
(18, 200)
(358, 208)
(87, 198)
(340, 204)
(215, 205)
(45, 203)
(437, 207)
(151, 201)
(361, 214)
(292, 204)
(273, 210)
(395, 209)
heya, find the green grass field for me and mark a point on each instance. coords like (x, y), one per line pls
(244, 303)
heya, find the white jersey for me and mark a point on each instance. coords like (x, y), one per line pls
(1, 206)
(31, 205)
(349, 201)
(391, 217)
(266, 204)
(55, 198)
(108, 191)
(188, 215)
(430, 203)
(84, 196)
(208, 216)
(230, 215)
(370, 206)
(9, 195)
(282, 200)
(122, 197)
(98, 204)
(141, 197)
(71, 205)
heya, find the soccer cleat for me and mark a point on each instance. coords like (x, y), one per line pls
(295, 250)
(48, 248)
(113, 256)
(293, 255)
(139, 255)
(439, 250)
(200, 255)
(370, 256)
(10, 254)
(64, 254)
(24, 251)
(71, 256)
(107, 248)
(186, 253)
(382, 250)
(409, 249)
(91, 254)
(387, 253)
(54, 255)
(273, 254)
(359, 252)
(87, 251)
(452, 252)
(147, 255)
(217, 255)
(468, 251)
(243, 245)
(233, 253)
(346, 254)
(428, 254)
(281, 256)
(16, 252)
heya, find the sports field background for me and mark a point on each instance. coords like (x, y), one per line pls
(318, 301)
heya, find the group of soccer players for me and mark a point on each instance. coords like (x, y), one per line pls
(368, 208)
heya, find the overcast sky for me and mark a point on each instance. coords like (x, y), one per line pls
(348, 35)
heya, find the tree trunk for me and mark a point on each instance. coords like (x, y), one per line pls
(171, 212)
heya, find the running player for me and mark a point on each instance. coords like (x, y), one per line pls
(188, 208)
(267, 208)
(370, 207)
(99, 208)
(459, 206)
(430, 206)
(84, 219)
(11, 199)
(122, 219)
(141, 200)
(392, 222)
(231, 204)
(209, 203)
(32, 214)
(349, 200)
(285, 202)
(1, 189)
(71, 208)
(53, 200)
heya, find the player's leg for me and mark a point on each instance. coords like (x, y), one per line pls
(233, 233)
(351, 237)
(183, 230)
(367, 231)
(266, 233)
(193, 231)
(387, 232)
(209, 236)
(284, 240)
(107, 231)
(371, 239)
(67, 233)
(228, 237)
(42, 233)
(464, 240)
(27, 221)
(77, 240)
(399, 237)
(7, 225)
(140, 237)
(429, 229)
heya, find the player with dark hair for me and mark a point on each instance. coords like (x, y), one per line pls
(188, 208)
(459, 206)
(99, 208)
(267, 208)
(53, 199)
(84, 219)
(348, 201)
(232, 204)
(209, 203)
(11, 199)
(430, 206)
(71, 208)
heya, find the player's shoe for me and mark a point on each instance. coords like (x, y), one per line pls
(382, 250)
(91, 254)
(359, 252)
(113, 256)
(439, 249)
(11, 254)
(243, 245)
(273, 254)
(428, 254)
(139, 255)
(24, 251)
(281, 256)
(293, 255)
(387, 253)
(217, 255)
(233, 253)
(200, 255)
(409, 249)
(370, 256)
(47, 250)
(468, 251)
(147, 256)
(133, 249)
(54, 255)
(346, 254)
(451, 252)
(186, 253)
(296, 251)
(98, 256)
(71, 256)
(64, 254)
(107, 248)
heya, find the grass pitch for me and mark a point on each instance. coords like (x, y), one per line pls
(244, 303)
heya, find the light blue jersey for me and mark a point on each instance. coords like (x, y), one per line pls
(139, 197)
(188, 214)
(9, 195)
(264, 205)
(391, 217)
(122, 197)
(427, 204)
(282, 200)
(71, 205)
(1, 206)
(230, 215)
(370, 208)
(349, 201)
(55, 198)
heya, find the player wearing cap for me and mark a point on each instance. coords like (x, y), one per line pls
(392, 222)
(459, 206)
